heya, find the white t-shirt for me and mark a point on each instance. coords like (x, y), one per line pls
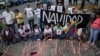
(37, 31)
(59, 9)
(29, 12)
(8, 17)
(7, 32)
(53, 7)
(37, 12)
(59, 32)
(47, 31)
(21, 31)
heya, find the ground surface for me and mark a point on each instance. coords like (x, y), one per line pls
(52, 48)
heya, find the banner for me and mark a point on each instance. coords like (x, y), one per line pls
(53, 17)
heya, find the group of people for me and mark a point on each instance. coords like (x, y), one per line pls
(33, 29)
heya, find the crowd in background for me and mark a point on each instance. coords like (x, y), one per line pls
(33, 30)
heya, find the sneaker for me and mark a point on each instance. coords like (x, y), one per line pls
(50, 39)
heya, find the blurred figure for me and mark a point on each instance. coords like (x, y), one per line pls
(48, 7)
(20, 1)
(18, 17)
(96, 2)
(69, 29)
(84, 11)
(72, 10)
(23, 32)
(7, 35)
(37, 34)
(75, 2)
(37, 12)
(47, 32)
(8, 18)
(95, 29)
(82, 4)
(60, 8)
(29, 13)
(58, 31)
(70, 2)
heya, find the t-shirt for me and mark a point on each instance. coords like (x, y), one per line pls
(96, 24)
(58, 30)
(19, 18)
(47, 31)
(37, 31)
(59, 9)
(53, 7)
(37, 12)
(8, 17)
(29, 12)
(7, 32)
(21, 31)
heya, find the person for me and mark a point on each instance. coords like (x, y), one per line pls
(69, 29)
(70, 2)
(37, 12)
(60, 8)
(7, 35)
(81, 34)
(48, 7)
(20, 1)
(18, 17)
(47, 32)
(75, 2)
(94, 29)
(72, 10)
(37, 34)
(58, 31)
(8, 18)
(96, 2)
(30, 15)
(23, 32)
(82, 5)
(84, 11)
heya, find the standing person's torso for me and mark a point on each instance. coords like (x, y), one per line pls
(96, 24)
(37, 12)
(19, 18)
(8, 17)
(29, 12)
(60, 9)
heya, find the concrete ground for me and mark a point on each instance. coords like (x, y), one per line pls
(52, 48)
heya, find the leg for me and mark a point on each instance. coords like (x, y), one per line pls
(32, 24)
(13, 27)
(91, 35)
(96, 32)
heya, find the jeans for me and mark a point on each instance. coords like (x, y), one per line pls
(59, 36)
(35, 37)
(93, 34)
(31, 23)
(12, 26)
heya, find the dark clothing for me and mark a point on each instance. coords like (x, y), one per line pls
(63, 9)
(70, 2)
(96, 2)
(75, 2)
(82, 5)
(8, 38)
(12, 26)
(31, 23)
